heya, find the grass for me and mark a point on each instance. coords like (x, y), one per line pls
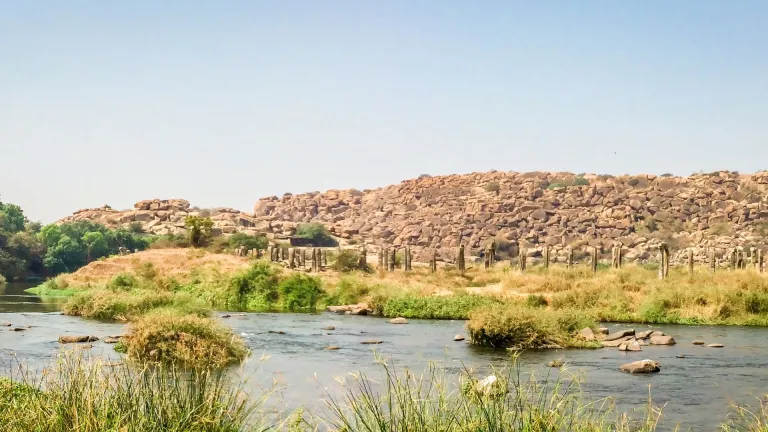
(187, 340)
(93, 396)
(107, 304)
(506, 325)
(449, 307)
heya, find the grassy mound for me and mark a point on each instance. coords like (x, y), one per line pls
(109, 304)
(449, 307)
(523, 327)
(187, 340)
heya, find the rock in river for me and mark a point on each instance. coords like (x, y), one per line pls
(698, 342)
(630, 345)
(398, 320)
(587, 334)
(77, 339)
(371, 342)
(641, 366)
(5, 324)
(332, 348)
(616, 342)
(458, 338)
(619, 334)
(716, 345)
(662, 340)
(329, 328)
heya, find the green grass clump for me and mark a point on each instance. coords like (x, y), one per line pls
(436, 307)
(107, 304)
(433, 401)
(510, 325)
(255, 288)
(300, 292)
(83, 396)
(187, 340)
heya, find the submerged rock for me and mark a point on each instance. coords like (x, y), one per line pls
(112, 339)
(616, 342)
(603, 330)
(657, 333)
(371, 342)
(662, 340)
(630, 345)
(458, 338)
(18, 329)
(398, 320)
(280, 332)
(643, 334)
(619, 334)
(716, 345)
(332, 348)
(329, 328)
(556, 363)
(5, 324)
(641, 366)
(77, 339)
(698, 342)
(226, 316)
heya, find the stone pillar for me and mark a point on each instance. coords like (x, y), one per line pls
(613, 257)
(760, 263)
(292, 258)
(663, 261)
(546, 257)
(492, 258)
(385, 262)
(381, 258)
(460, 260)
(690, 261)
(392, 256)
(753, 256)
(433, 262)
(363, 263)
(522, 258)
(313, 267)
(619, 255)
(594, 259)
(283, 254)
(487, 257)
(407, 258)
(570, 257)
(271, 252)
(323, 262)
(712, 261)
(734, 259)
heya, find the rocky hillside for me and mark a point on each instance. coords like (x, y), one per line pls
(720, 210)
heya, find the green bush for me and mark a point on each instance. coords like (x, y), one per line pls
(492, 186)
(438, 307)
(580, 181)
(317, 233)
(536, 301)
(123, 282)
(556, 186)
(107, 304)
(522, 327)
(348, 291)
(240, 239)
(348, 260)
(300, 291)
(256, 288)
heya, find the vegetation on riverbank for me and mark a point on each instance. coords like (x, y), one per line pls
(95, 396)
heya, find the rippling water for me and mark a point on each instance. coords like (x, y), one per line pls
(695, 390)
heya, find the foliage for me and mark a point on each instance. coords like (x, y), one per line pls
(524, 327)
(348, 290)
(255, 288)
(116, 303)
(300, 291)
(199, 229)
(347, 261)
(240, 239)
(186, 340)
(580, 181)
(317, 233)
(557, 185)
(94, 396)
(437, 307)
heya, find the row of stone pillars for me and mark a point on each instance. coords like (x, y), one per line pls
(297, 258)
(388, 259)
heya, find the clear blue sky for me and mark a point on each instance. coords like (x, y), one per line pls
(221, 103)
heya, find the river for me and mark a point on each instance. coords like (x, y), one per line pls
(696, 391)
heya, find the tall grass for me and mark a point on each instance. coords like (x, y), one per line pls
(449, 307)
(435, 402)
(93, 396)
(109, 304)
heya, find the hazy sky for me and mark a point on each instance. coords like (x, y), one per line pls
(224, 102)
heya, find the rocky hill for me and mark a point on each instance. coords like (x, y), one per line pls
(721, 210)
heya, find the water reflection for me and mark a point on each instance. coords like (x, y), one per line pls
(14, 298)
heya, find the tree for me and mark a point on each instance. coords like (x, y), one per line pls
(95, 245)
(199, 229)
(317, 233)
(239, 240)
(66, 255)
(13, 219)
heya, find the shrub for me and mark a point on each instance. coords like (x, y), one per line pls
(186, 340)
(106, 304)
(348, 260)
(492, 186)
(556, 186)
(147, 271)
(123, 282)
(522, 327)
(633, 182)
(580, 181)
(255, 288)
(300, 291)
(136, 228)
(536, 301)
(317, 233)
(199, 229)
(240, 239)
(448, 307)
(348, 291)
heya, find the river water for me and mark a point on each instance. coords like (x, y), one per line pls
(695, 391)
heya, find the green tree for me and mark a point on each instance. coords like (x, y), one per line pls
(240, 239)
(316, 232)
(199, 229)
(67, 255)
(95, 245)
(13, 219)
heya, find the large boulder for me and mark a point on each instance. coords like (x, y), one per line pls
(616, 342)
(641, 366)
(77, 339)
(630, 345)
(619, 334)
(662, 340)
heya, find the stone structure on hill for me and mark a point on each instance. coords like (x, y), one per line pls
(707, 213)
